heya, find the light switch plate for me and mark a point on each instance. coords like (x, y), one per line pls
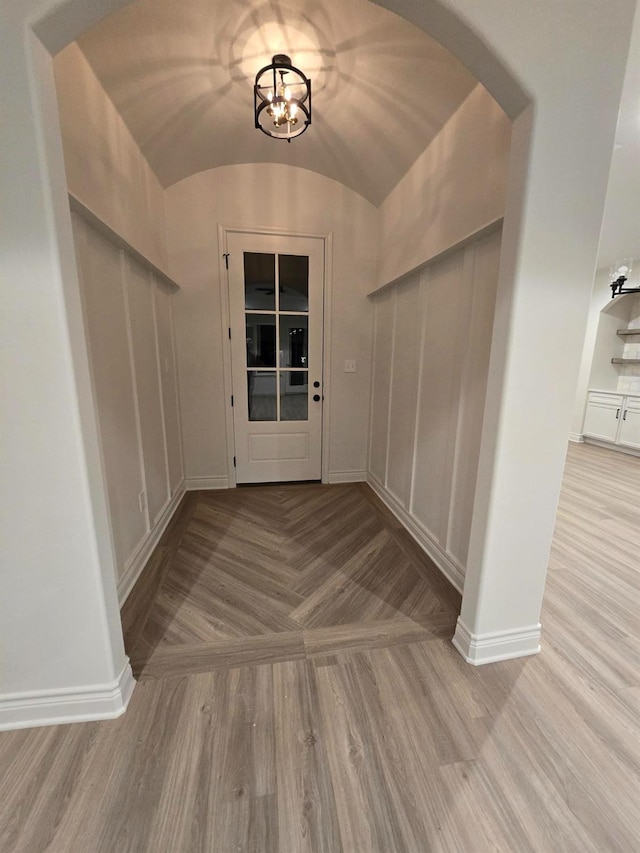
(350, 366)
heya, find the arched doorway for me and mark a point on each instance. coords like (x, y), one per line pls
(543, 297)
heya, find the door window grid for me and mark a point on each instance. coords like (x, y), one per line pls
(282, 373)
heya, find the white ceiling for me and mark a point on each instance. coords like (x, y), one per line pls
(181, 76)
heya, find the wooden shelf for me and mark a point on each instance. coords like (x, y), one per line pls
(625, 361)
(624, 332)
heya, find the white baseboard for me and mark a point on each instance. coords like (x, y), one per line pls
(479, 649)
(610, 445)
(577, 437)
(347, 477)
(70, 705)
(138, 560)
(447, 563)
(195, 484)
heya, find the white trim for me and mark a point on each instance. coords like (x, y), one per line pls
(346, 477)
(68, 705)
(125, 286)
(225, 319)
(327, 291)
(176, 386)
(196, 484)
(161, 386)
(138, 560)
(423, 282)
(461, 379)
(392, 370)
(577, 437)
(447, 563)
(478, 649)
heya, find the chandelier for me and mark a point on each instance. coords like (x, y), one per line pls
(619, 276)
(282, 99)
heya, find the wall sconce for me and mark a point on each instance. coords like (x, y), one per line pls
(619, 276)
(282, 106)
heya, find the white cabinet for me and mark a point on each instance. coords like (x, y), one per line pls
(614, 418)
(629, 434)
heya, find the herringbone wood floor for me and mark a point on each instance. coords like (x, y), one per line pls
(404, 749)
(272, 573)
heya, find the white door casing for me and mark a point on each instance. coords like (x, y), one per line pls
(276, 315)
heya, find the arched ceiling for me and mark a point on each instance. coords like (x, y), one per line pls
(181, 76)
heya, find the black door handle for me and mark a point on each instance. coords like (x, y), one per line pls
(316, 384)
(316, 398)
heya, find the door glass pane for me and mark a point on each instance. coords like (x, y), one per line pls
(261, 394)
(294, 282)
(294, 396)
(261, 340)
(294, 340)
(259, 281)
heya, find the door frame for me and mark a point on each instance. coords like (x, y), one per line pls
(225, 320)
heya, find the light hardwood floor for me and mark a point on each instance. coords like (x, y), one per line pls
(382, 745)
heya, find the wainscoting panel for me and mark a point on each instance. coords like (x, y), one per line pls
(430, 364)
(383, 348)
(138, 287)
(105, 315)
(404, 382)
(127, 312)
(168, 374)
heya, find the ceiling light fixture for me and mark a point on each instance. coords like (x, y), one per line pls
(282, 99)
(619, 276)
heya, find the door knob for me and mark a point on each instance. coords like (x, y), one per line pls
(316, 398)
(316, 384)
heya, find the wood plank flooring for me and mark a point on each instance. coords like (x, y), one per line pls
(286, 572)
(361, 748)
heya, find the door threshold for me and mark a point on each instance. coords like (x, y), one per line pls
(278, 483)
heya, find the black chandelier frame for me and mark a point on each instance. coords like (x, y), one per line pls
(618, 288)
(279, 66)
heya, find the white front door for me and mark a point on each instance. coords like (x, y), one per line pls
(276, 301)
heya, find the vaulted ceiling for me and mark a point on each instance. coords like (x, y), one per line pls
(181, 75)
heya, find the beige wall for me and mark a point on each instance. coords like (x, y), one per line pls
(105, 168)
(457, 186)
(431, 360)
(280, 197)
(128, 320)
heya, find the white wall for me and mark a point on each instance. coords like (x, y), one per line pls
(457, 186)
(560, 85)
(105, 168)
(128, 318)
(62, 653)
(600, 299)
(431, 358)
(281, 197)
(555, 198)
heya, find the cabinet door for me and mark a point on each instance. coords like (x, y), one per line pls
(603, 416)
(630, 424)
